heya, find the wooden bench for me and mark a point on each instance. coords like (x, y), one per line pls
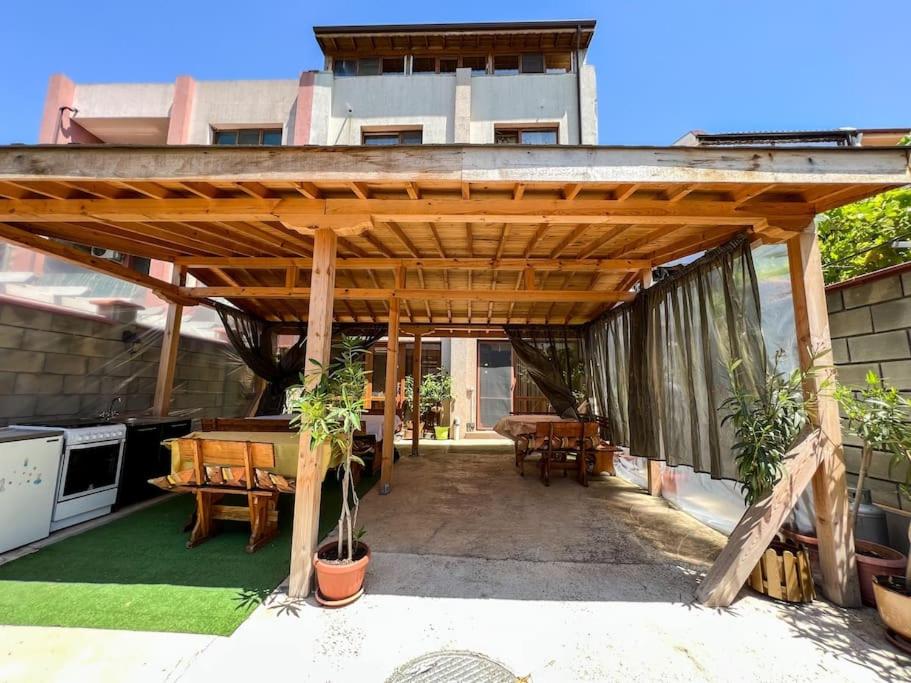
(222, 468)
(245, 424)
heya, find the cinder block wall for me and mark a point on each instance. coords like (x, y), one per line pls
(60, 364)
(870, 321)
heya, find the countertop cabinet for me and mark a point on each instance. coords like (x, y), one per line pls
(145, 458)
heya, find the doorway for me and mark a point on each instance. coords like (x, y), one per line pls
(494, 382)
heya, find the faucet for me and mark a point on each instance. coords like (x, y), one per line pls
(112, 411)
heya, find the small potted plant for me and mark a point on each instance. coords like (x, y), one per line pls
(766, 420)
(328, 406)
(876, 414)
(436, 390)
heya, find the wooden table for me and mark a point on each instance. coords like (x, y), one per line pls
(512, 426)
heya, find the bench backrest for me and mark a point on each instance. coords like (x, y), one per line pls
(241, 424)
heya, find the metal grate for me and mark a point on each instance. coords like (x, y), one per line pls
(452, 667)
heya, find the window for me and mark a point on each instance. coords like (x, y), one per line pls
(344, 67)
(393, 65)
(533, 63)
(248, 136)
(559, 63)
(448, 65)
(393, 137)
(477, 63)
(423, 65)
(368, 67)
(506, 64)
(525, 136)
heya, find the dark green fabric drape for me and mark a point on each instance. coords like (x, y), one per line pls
(553, 359)
(691, 326)
(606, 344)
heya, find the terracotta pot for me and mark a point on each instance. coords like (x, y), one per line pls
(339, 581)
(894, 606)
(887, 562)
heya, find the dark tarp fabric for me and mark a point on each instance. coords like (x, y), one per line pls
(553, 359)
(691, 326)
(658, 365)
(606, 351)
(253, 339)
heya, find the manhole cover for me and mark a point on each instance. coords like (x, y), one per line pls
(451, 667)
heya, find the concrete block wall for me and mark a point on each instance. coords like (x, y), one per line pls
(59, 364)
(870, 323)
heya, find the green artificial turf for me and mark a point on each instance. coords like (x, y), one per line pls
(136, 573)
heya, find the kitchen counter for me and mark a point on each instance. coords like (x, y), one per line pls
(9, 434)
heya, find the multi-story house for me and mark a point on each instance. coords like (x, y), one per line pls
(502, 83)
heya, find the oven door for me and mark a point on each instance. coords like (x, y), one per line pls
(90, 468)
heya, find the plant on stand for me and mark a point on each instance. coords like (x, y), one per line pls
(436, 389)
(878, 415)
(766, 420)
(329, 406)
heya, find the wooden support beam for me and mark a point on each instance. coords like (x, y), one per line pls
(830, 489)
(14, 235)
(654, 477)
(170, 341)
(391, 263)
(383, 294)
(304, 532)
(759, 524)
(389, 396)
(416, 396)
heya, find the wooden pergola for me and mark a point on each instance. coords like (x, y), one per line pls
(451, 239)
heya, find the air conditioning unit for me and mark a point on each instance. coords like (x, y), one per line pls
(109, 254)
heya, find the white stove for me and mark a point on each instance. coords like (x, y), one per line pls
(89, 470)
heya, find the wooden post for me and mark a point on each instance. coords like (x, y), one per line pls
(830, 491)
(392, 358)
(304, 533)
(169, 343)
(416, 397)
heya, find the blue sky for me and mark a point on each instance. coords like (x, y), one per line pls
(663, 68)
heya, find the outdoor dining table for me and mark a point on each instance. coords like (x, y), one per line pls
(513, 426)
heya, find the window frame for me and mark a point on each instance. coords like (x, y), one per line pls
(398, 132)
(522, 128)
(216, 131)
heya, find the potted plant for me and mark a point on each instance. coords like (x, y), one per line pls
(766, 421)
(436, 390)
(329, 406)
(877, 414)
(893, 593)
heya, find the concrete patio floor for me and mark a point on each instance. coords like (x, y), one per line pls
(562, 584)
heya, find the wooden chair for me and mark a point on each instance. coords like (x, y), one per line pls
(230, 467)
(568, 448)
(531, 446)
(245, 424)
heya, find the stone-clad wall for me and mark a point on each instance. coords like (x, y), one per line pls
(870, 321)
(59, 364)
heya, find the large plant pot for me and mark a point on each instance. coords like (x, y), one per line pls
(893, 601)
(873, 560)
(441, 433)
(340, 583)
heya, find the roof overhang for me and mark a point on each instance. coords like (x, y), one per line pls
(519, 35)
(460, 234)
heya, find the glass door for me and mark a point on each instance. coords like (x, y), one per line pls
(494, 382)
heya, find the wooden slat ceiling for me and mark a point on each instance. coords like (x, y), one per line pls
(480, 252)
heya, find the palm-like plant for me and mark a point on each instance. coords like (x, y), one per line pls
(878, 415)
(329, 407)
(766, 419)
